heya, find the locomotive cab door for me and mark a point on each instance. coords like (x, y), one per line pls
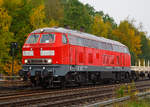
(73, 56)
(65, 49)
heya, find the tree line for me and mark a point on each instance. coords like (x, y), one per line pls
(19, 17)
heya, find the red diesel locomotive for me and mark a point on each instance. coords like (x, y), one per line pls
(54, 56)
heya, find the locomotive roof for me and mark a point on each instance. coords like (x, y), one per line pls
(77, 33)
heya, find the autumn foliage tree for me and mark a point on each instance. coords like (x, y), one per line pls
(37, 17)
(126, 34)
(100, 28)
(8, 68)
(54, 11)
(5, 20)
(5, 37)
(76, 15)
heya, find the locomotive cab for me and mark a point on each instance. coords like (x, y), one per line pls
(39, 47)
(43, 47)
(42, 56)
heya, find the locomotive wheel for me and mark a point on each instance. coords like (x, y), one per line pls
(127, 77)
(118, 77)
(93, 78)
(78, 79)
(63, 83)
(149, 75)
(33, 81)
(50, 83)
(44, 85)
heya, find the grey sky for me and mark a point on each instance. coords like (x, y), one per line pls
(121, 9)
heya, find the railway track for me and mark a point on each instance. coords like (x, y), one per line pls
(12, 84)
(65, 97)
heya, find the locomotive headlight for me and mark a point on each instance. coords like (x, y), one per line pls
(25, 61)
(49, 61)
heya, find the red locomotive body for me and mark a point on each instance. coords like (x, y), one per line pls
(57, 55)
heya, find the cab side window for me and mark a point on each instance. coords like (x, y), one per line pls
(64, 39)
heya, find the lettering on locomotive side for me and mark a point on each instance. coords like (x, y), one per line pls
(82, 68)
(78, 68)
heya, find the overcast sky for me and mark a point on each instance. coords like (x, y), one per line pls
(121, 9)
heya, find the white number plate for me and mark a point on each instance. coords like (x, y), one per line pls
(47, 53)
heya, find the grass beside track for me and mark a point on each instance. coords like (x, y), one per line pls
(134, 100)
(135, 103)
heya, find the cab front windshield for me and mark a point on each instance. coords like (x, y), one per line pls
(45, 38)
(33, 39)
